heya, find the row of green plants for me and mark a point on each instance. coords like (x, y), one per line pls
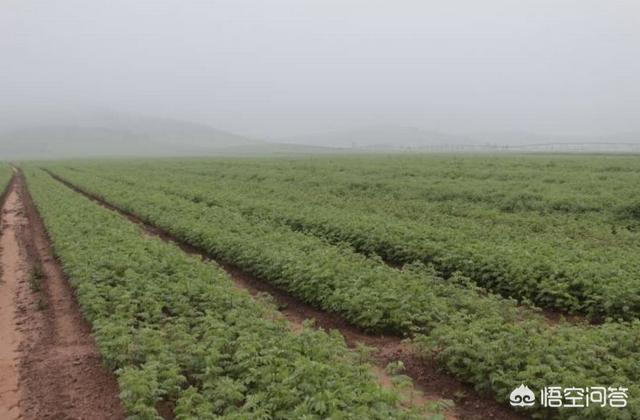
(570, 265)
(586, 185)
(176, 331)
(6, 173)
(479, 337)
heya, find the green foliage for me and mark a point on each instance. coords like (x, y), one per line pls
(177, 332)
(466, 215)
(6, 172)
(466, 244)
(36, 276)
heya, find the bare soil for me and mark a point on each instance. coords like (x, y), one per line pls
(12, 275)
(51, 367)
(430, 383)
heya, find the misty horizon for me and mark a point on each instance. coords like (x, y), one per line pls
(287, 69)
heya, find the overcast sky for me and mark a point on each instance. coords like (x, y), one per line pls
(285, 67)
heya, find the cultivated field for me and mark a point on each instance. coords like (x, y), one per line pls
(433, 285)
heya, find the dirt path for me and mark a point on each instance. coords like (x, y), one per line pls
(51, 368)
(430, 384)
(12, 275)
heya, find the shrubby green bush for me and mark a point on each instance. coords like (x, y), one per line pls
(480, 337)
(557, 241)
(176, 331)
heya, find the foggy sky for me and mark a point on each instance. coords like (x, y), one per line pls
(285, 67)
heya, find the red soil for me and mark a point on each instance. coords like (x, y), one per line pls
(51, 367)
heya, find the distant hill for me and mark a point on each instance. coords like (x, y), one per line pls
(282, 149)
(519, 138)
(409, 139)
(384, 137)
(116, 136)
(122, 135)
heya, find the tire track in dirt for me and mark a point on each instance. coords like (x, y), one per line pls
(12, 275)
(430, 383)
(60, 372)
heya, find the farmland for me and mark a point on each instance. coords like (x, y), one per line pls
(579, 220)
(498, 270)
(175, 329)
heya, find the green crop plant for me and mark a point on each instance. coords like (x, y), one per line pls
(176, 331)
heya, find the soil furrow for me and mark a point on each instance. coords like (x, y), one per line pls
(12, 275)
(431, 384)
(60, 372)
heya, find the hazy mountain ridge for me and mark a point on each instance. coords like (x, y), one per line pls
(402, 138)
(117, 136)
(123, 135)
(380, 137)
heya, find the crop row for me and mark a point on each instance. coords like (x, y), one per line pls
(175, 330)
(585, 185)
(507, 254)
(481, 338)
(6, 172)
(599, 189)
